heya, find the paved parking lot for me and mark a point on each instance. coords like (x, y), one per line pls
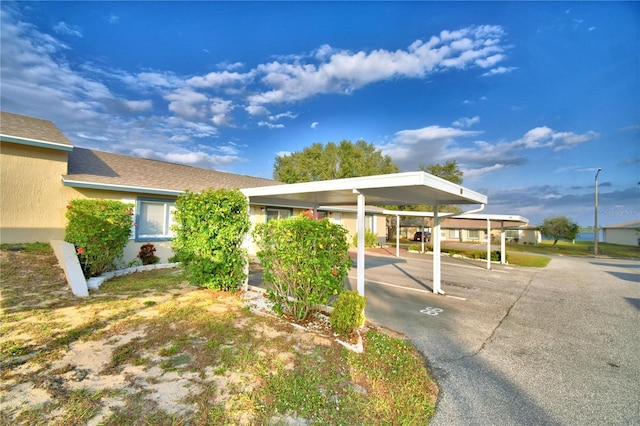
(510, 345)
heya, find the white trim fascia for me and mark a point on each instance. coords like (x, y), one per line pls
(36, 142)
(123, 188)
(395, 180)
(463, 215)
(350, 210)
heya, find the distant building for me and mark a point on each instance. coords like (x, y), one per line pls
(625, 233)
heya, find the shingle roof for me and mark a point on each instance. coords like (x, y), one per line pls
(631, 224)
(35, 129)
(116, 170)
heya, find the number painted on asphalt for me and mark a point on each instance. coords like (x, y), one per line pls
(430, 311)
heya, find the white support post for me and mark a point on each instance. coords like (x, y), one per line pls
(360, 231)
(398, 235)
(503, 245)
(422, 238)
(435, 234)
(488, 244)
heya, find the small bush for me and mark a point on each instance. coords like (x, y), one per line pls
(370, 239)
(100, 230)
(147, 254)
(305, 262)
(348, 313)
(210, 227)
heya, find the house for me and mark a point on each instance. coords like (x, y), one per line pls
(41, 171)
(473, 229)
(626, 233)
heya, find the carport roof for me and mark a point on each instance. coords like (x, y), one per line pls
(392, 189)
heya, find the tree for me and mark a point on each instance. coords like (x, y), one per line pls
(559, 228)
(448, 171)
(323, 162)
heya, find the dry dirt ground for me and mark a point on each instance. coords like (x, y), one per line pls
(98, 360)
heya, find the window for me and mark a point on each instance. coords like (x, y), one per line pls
(474, 234)
(370, 223)
(512, 233)
(454, 234)
(155, 218)
(277, 214)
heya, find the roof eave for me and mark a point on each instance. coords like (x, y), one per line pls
(36, 142)
(123, 188)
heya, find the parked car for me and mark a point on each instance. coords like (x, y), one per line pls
(419, 237)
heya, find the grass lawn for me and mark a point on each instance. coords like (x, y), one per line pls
(579, 248)
(534, 256)
(147, 348)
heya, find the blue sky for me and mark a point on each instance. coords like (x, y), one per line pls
(530, 98)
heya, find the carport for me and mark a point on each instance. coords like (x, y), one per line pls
(411, 188)
(493, 221)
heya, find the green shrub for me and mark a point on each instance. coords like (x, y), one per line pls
(370, 239)
(100, 230)
(147, 254)
(348, 313)
(305, 263)
(210, 227)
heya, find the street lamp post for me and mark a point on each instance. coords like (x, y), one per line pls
(595, 234)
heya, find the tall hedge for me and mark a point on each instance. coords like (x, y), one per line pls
(210, 227)
(305, 263)
(100, 230)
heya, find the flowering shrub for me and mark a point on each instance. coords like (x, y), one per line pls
(210, 227)
(348, 312)
(305, 263)
(147, 254)
(100, 230)
(370, 239)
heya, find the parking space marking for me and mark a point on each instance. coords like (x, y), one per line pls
(418, 290)
(431, 311)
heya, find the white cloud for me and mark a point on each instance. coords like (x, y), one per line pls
(256, 110)
(344, 71)
(410, 148)
(113, 19)
(466, 122)
(219, 79)
(490, 61)
(287, 114)
(230, 67)
(437, 145)
(153, 80)
(499, 71)
(314, 125)
(66, 29)
(544, 137)
(479, 172)
(270, 125)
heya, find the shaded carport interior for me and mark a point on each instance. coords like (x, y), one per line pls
(471, 221)
(411, 188)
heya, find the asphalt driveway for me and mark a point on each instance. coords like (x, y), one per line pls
(511, 345)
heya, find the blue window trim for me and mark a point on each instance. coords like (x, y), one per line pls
(139, 200)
